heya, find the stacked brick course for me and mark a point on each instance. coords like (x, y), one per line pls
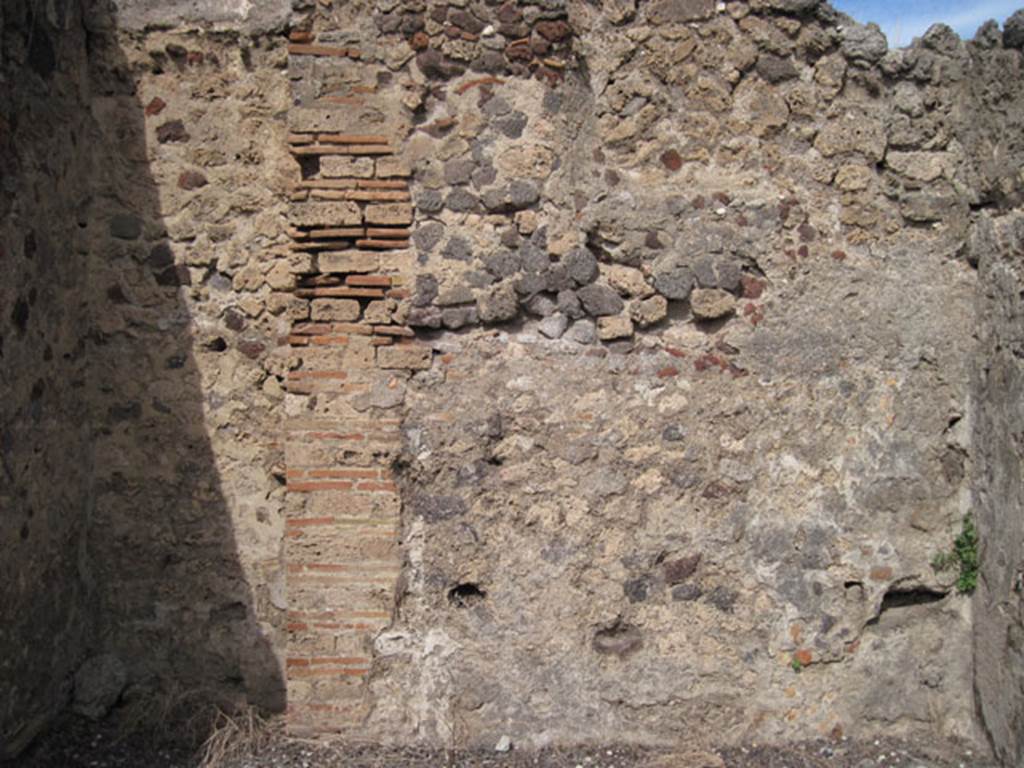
(350, 217)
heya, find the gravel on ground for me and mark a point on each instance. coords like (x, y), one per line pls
(79, 743)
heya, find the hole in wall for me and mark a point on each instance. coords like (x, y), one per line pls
(907, 598)
(466, 595)
(619, 639)
(309, 166)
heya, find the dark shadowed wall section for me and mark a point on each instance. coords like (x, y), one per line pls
(120, 574)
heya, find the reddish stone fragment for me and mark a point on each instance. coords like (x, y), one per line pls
(509, 13)
(539, 45)
(519, 51)
(752, 287)
(172, 131)
(881, 573)
(678, 571)
(155, 106)
(252, 349)
(672, 160)
(553, 30)
(191, 180)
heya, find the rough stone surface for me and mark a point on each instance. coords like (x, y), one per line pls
(711, 303)
(1013, 31)
(98, 685)
(997, 421)
(139, 521)
(518, 488)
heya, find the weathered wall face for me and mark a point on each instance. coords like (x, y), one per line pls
(538, 369)
(998, 492)
(187, 530)
(142, 523)
(48, 595)
(694, 478)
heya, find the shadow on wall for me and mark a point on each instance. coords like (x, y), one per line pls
(120, 582)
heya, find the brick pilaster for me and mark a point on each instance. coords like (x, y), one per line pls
(350, 225)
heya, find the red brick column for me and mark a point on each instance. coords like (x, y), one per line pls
(350, 219)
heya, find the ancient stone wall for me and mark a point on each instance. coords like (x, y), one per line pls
(998, 427)
(691, 474)
(543, 369)
(186, 534)
(45, 459)
(143, 472)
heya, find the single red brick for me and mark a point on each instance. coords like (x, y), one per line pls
(369, 281)
(155, 106)
(350, 474)
(325, 485)
(352, 138)
(382, 244)
(394, 330)
(328, 341)
(350, 293)
(395, 233)
(382, 184)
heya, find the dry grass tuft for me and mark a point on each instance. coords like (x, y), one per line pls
(233, 737)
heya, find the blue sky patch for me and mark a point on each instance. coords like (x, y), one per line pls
(903, 20)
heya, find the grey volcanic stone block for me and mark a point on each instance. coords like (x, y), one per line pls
(98, 685)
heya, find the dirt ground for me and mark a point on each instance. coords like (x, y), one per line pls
(78, 743)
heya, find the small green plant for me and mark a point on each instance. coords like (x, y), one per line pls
(964, 556)
(796, 664)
